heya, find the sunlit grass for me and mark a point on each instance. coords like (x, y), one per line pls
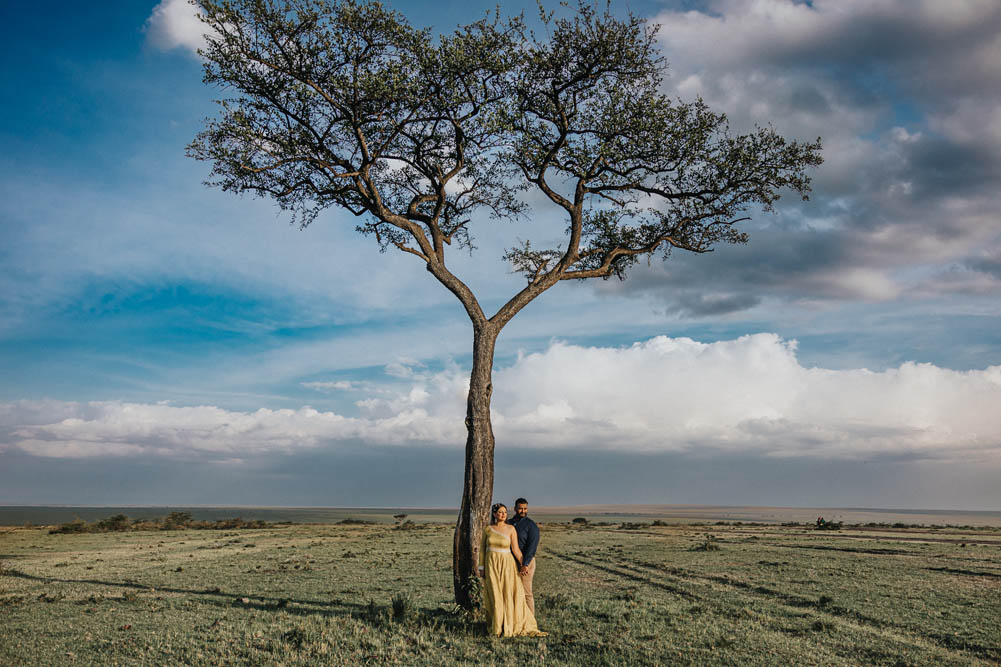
(343, 594)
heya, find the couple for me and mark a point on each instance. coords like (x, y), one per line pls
(507, 565)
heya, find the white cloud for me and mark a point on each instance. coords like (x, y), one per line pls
(666, 394)
(748, 394)
(175, 24)
(119, 428)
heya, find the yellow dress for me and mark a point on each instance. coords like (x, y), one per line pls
(508, 614)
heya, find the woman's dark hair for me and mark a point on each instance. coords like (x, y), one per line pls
(493, 511)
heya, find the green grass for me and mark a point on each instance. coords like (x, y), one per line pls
(345, 594)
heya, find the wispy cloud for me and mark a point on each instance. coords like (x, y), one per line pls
(340, 385)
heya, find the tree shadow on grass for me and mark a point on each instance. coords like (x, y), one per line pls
(448, 618)
(216, 595)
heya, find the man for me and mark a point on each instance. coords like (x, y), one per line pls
(528, 542)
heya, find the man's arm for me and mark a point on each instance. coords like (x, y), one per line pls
(531, 544)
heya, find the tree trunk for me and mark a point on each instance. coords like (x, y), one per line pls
(478, 483)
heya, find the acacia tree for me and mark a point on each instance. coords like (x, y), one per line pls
(342, 103)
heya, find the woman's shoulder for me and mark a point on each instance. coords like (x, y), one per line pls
(503, 529)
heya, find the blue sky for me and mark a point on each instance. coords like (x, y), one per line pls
(163, 342)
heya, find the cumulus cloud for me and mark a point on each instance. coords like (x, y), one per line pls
(749, 396)
(175, 24)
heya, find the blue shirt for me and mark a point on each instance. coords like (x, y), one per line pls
(528, 538)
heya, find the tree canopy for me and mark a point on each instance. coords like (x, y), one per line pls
(345, 104)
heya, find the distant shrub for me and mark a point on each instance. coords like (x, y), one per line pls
(709, 544)
(296, 637)
(580, 521)
(356, 522)
(77, 525)
(237, 523)
(116, 523)
(403, 606)
(175, 521)
(830, 525)
(626, 525)
(178, 520)
(658, 522)
(375, 614)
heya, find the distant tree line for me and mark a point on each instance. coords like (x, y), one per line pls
(173, 521)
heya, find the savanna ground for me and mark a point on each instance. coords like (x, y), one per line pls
(358, 594)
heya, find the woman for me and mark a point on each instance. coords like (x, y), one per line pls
(508, 614)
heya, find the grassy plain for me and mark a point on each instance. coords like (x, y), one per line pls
(378, 594)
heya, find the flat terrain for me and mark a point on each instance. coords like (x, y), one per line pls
(378, 594)
(18, 515)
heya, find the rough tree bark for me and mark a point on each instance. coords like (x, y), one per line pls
(478, 480)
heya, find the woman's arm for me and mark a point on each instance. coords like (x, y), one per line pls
(513, 534)
(483, 554)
